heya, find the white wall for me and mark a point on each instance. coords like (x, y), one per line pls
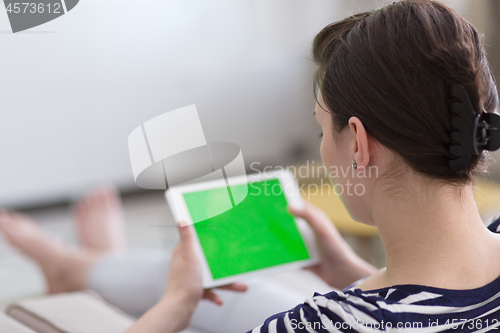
(73, 89)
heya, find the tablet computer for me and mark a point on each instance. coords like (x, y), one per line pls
(256, 236)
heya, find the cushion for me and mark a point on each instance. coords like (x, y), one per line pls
(77, 312)
(9, 325)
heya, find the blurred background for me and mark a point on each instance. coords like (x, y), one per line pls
(73, 89)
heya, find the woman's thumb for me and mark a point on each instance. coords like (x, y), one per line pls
(185, 233)
(296, 211)
(314, 217)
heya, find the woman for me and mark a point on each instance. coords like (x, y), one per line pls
(406, 89)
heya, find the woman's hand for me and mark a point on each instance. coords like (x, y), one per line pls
(339, 266)
(184, 284)
(183, 292)
(184, 279)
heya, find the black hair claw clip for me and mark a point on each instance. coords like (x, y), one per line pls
(471, 132)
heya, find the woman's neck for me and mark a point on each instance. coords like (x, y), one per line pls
(434, 236)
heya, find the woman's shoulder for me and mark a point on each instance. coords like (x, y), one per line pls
(403, 306)
(322, 312)
(338, 309)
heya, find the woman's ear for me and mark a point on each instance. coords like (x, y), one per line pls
(361, 147)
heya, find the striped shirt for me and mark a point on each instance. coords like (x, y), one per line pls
(411, 308)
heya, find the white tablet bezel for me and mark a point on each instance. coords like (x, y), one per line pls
(292, 194)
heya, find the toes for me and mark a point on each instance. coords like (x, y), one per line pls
(7, 218)
(105, 195)
(5, 224)
(82, 206)
(88, 204)
(4, 214)
(103, 198)
(110, 196)
(13, 224)
(97, 198)
(15, 216)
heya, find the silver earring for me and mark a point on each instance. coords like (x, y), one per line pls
(354, 164)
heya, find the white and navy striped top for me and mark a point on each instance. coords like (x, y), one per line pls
(408, 308)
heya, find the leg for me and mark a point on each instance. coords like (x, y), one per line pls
(134, 283)
(64, 268)
(99, 221)
(242, 312)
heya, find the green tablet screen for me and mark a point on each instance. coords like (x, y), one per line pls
(258, 233)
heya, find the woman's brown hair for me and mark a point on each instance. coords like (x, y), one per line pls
(393, 69)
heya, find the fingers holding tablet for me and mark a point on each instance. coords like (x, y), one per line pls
(255, 237)
(317, 219)
(339, 265)
(184, 276)
(210, 295)
(185, 273)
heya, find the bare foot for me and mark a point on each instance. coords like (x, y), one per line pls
(99, 221)
(64, 268)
